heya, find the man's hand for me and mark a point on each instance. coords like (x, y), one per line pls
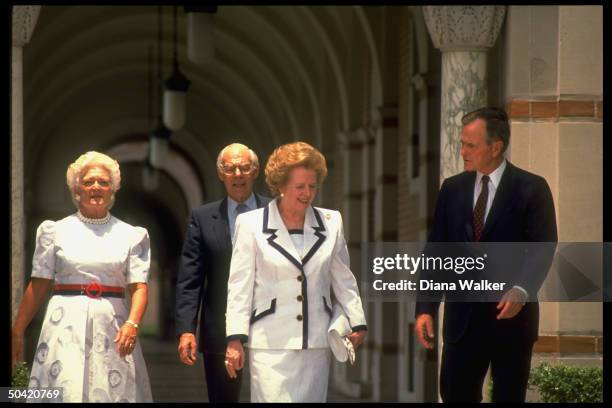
(424, 329)
(187, 348)
(511, 303)
(234, 358)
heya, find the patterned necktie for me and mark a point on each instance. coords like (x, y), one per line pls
(240, 208)
(480, 208)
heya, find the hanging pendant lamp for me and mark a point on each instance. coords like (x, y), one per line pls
(175, 91)
(200, 28)
(159, 138)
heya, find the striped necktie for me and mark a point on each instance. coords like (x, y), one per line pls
(480, 208)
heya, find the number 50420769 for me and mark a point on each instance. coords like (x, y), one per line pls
(35, 394)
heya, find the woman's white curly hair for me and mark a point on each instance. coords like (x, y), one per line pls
(77, 169)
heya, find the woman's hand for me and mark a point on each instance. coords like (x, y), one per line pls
(126, 339)
(126, 336)
(35, 294)
(234, 358)
(16, 347)
(357, 338)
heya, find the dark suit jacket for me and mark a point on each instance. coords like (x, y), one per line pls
(203, 274)
(522, 211)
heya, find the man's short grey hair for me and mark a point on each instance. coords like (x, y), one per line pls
(75, 172)
(496, 120)
(254, 159)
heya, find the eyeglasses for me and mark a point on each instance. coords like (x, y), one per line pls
(231, 169)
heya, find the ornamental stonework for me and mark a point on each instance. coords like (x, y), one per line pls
(464, 27)
(24, 21)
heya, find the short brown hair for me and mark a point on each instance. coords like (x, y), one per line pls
(288, 156)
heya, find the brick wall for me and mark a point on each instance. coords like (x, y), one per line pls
(554, 111)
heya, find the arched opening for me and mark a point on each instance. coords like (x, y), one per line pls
(163, 216)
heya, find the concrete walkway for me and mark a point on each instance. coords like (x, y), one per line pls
(173, 381)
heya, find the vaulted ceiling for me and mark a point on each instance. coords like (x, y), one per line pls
(280, 73)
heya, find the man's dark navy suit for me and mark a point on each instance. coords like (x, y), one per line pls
(202, 286)
(522, 211)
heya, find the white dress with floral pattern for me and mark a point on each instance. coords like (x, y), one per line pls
(76, 350)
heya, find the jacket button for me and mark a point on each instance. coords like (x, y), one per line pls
(300, 298)
(300, 318)
(300, 278)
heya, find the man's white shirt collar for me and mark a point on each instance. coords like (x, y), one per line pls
(494, 177)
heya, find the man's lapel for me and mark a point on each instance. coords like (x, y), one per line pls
(502, 200)
(467, 208)
(220, 225)
(258, 200)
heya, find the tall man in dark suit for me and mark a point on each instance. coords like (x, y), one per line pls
(491, 201)
(204, 270)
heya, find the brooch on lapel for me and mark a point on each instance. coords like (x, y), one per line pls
(327, 216)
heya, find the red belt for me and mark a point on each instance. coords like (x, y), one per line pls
(93, 290)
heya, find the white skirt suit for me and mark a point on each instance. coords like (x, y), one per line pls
(279, 300)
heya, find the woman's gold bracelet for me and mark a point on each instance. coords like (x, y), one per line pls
(132, 323)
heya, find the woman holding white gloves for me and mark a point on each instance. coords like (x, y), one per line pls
(287, 258)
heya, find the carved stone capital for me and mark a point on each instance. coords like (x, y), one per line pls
(24, 21)
(464, 28)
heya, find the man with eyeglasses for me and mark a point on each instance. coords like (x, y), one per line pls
(204, 270)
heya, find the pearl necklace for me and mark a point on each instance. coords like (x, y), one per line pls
(93, 220)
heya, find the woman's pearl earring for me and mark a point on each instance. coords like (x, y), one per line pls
(282, 195)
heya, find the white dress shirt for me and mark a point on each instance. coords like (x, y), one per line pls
(494, 180)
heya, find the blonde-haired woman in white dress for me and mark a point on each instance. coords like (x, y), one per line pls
(88, 340)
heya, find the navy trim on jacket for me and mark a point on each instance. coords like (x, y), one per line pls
(300, 265)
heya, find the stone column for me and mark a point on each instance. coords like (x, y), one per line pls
(385, 207)
(385, 320)
(352, 145)
(349, 379)
(24, 19)
(463, 34)
(368, 193)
